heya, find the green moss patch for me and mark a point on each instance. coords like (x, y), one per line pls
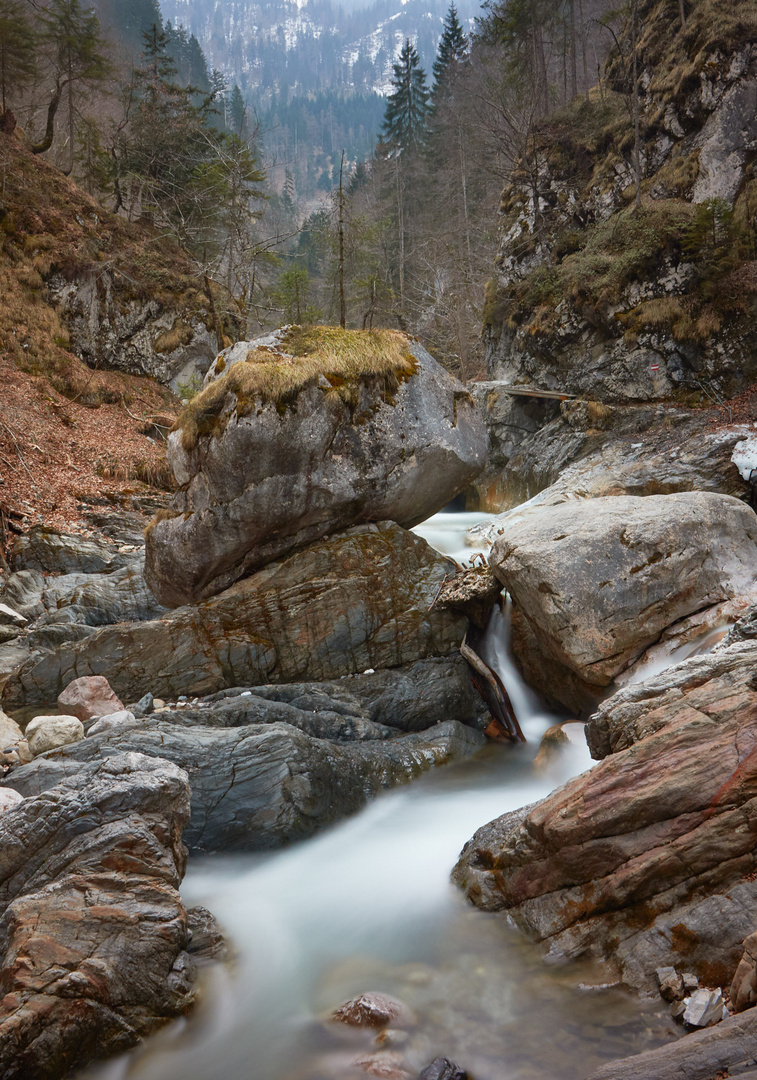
(347, 359)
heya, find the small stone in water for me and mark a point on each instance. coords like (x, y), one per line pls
(373, 1010)
(704, 1008)
(443, 1069)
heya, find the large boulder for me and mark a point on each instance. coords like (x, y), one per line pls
(260, 786)
(93, 933)
(594, 583)
(649, 858)
(281, 449)
(347, 603)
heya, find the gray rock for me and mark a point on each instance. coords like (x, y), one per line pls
(670, 984)
(262, 484)
(112, 720)
(46, 549)
(133, 332)
(321, 613)
(595, 582)
(93, 934)
(256, 788)
(730, 1048)
(443, 1069)
(704, 1008)
(144, 706)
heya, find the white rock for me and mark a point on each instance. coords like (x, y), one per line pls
(8, 614)
(49, 732)
(9, 798)
(112, 720)
(704, 1008)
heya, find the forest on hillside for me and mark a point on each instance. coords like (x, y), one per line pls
(402, 234)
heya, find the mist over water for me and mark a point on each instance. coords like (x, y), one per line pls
(368, 905)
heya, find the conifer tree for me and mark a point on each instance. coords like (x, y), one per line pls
(17, 48)
(450, 56)
(407, 106)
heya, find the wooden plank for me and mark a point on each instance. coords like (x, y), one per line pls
(533, 391)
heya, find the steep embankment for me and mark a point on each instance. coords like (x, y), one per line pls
(627, 305)
(98, 316)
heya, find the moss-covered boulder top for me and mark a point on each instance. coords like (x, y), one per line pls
(299, 434)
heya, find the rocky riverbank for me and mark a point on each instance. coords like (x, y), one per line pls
(271, 709)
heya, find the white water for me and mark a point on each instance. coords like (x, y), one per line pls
(368, 905)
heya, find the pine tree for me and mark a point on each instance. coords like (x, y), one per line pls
(237, 113)
(450, 56)
(407, 106)
(17, 48)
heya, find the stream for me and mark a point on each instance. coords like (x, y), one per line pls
(368, 905)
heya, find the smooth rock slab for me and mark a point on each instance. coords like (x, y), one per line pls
(259, 485)
(596, 582)
(647, 859)
(347, 603)
(93, 933)
(256, 788)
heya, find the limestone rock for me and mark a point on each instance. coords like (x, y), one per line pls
(350, 602)
(647, 859)
(93, 933)
(259, 787)
(595, 582)
(88, 696)
(264, 482)
(704, 1008)
(49, 732)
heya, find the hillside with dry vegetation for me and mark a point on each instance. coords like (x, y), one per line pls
(68, 430)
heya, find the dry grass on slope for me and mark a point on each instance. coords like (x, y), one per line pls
(345, 358)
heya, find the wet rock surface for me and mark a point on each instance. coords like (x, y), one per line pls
(648, 858)
(93, 933)
(260, 485)
(354, 601)
(595, 582)
(259, 787)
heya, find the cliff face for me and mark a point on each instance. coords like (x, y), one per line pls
(598, 298)
(81, 284)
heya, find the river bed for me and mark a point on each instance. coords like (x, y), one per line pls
(368, 905)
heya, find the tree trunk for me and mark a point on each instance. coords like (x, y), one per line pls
(636, 109)
(52, 108)
(342, 304)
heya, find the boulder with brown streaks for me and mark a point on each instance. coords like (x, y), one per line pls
(649, 858)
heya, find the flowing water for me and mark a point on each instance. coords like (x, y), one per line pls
(368, 905)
